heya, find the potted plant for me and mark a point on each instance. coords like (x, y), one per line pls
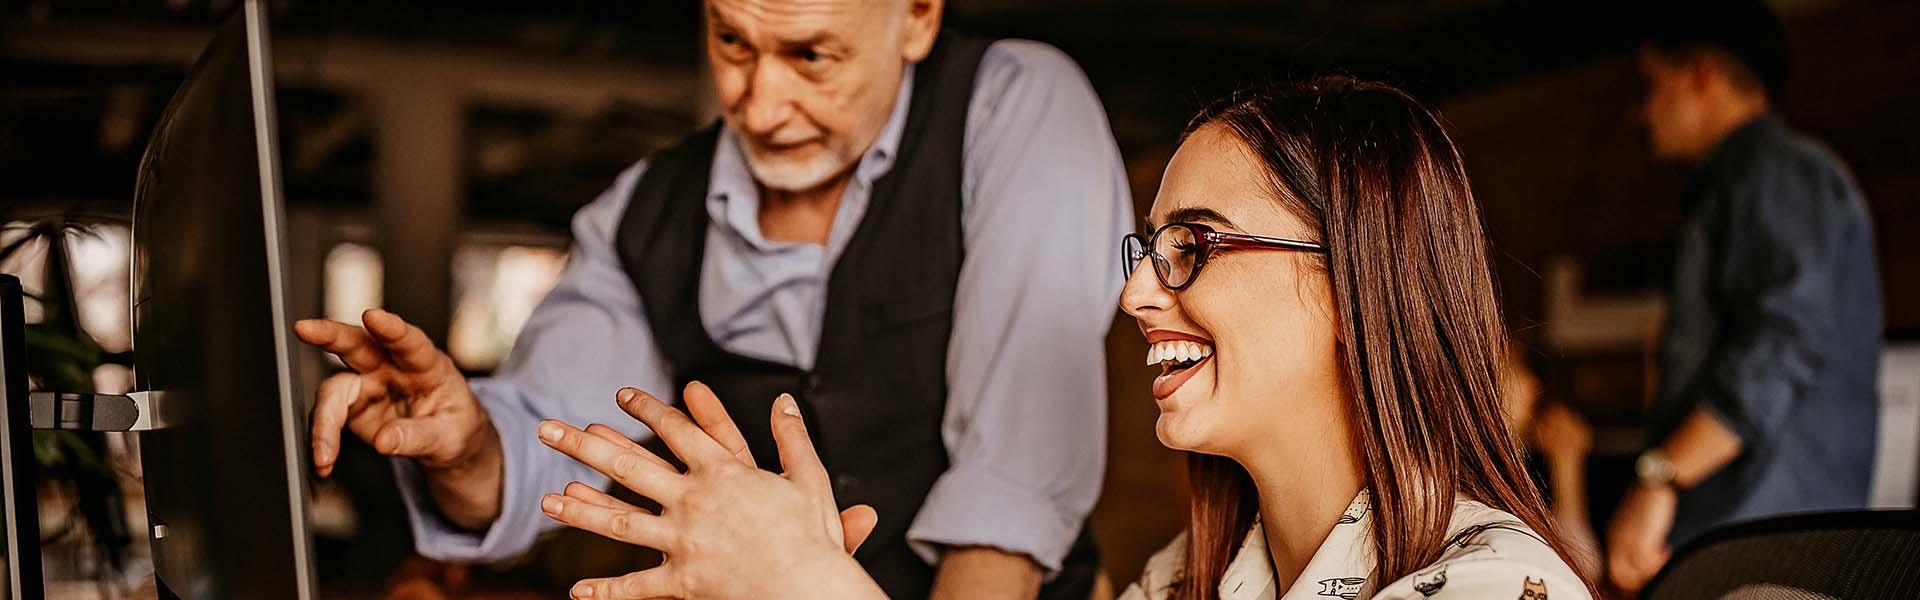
(83, 523)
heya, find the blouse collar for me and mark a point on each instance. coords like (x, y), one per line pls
(1339, 568)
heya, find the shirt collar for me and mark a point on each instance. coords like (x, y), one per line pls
(886, 146)
(1747, 135)
(733, 199)
(1339, 568)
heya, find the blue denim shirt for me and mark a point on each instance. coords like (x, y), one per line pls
(1774, 328)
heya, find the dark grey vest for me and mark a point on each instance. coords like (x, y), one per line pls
(877, 394)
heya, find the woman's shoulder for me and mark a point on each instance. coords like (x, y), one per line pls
(1490, 554)
(1156, 581)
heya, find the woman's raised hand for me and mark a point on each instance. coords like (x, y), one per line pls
(727, 528)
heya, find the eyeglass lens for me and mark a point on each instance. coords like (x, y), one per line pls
(1173, 250)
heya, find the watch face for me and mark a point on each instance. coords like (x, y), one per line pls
(1651, 466)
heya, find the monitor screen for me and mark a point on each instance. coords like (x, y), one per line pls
(226, 479)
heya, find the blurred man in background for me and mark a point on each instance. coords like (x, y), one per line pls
(907, 229)
(1770, 353)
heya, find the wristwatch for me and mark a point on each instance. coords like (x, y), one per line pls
(1653, 467)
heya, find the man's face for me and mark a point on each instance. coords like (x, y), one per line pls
(808, 84)
(1673, 109)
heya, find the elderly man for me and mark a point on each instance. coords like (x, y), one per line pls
(905, 228)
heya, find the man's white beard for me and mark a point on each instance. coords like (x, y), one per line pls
(793, 175)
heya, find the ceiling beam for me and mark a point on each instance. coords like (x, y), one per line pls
(579, 87)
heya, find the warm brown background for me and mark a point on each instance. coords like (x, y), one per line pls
(415, 128)
(1558, 166)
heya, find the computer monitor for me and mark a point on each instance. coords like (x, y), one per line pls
(226, 478)
(19, 474)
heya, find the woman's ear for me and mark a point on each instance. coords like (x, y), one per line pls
(1320, 297)
(921, 25)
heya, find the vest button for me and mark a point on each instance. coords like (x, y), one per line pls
(843, 483)
(814, 383)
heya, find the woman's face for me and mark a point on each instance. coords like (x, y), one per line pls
(1262, 318)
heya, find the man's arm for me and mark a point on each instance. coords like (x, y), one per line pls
(1700, 447)
(1776, 231)
(985, 572)
(1046, 203)
(586, 339)
(1777, 240)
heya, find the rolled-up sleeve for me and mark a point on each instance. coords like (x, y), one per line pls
(1775, 286)
(1046, 202)
(585, 340)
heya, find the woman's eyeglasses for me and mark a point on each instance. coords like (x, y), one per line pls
(1180, 249)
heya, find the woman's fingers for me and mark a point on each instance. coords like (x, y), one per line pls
(685, 438)
(620, 439)
(856, 523)
(802, 464)
(797, 456)
(612, 435)
(586, 493)
(628, 467)
(630, 526)
(643, 585)
(712, 417)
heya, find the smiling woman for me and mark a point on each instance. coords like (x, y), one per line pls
(1338, 403)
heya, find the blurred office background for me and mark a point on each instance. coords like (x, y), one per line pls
(434, 151)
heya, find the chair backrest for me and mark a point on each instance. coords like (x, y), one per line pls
(1816, 556)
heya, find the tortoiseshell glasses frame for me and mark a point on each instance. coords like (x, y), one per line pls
(1180, 250)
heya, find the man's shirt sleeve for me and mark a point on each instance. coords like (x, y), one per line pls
(1046, 202)
(584, 341)
(1779, 226)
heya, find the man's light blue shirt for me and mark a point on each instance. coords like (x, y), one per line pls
(1044, 203)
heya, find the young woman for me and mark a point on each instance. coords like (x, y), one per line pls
(1321, 305)
(1317, 295)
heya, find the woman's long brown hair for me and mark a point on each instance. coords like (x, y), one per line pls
(1376, 174)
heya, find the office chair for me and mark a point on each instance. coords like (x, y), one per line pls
(1867, 554)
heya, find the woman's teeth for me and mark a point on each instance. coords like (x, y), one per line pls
(1177, 352)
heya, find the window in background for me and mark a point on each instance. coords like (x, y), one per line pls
(352, 280)
(99, 263)
(495, 288)
(27, 262)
